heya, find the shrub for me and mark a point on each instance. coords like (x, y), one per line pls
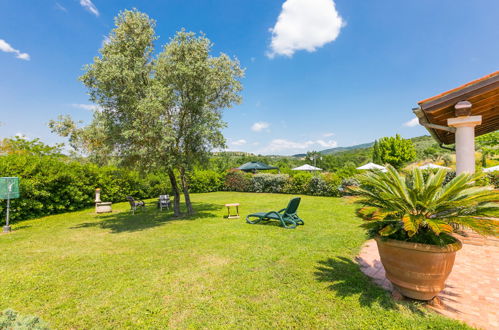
(269, 183)
(205, 181)
(423, 209)
(317, 186)
(324, 185)
(347, 185)
(237, 181)
(328, 184)
(155, 184)
(494, 179)
(53, 184)
(333, 182)
(10, 319)
(298, 183)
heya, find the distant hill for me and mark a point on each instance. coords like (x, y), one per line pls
(420, 143)
(340, 149)
(423, 142)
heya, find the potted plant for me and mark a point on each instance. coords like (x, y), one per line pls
(412, 219)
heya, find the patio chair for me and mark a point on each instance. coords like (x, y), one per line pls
(288, 216)
(134, 203)
(164, 201)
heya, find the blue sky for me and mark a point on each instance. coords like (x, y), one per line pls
(318, 73)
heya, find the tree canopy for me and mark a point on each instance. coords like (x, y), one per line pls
(19, 145)
(395, 151)
(488, 144)
(156, 112)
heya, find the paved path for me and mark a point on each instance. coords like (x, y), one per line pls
(472, 289)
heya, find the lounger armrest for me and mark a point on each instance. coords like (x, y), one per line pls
(280, 211)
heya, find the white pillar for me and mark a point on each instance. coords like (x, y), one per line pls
(97, 195)
(465, 142)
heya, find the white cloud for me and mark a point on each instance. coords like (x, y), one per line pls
(260, 126)
(5, 47)
(88, 5)
(239, 142)
(23, 56)
(328, 134)
(60, 7)
(413, 122)
(88, 107)
(304, 25)
(283, 145)
(327, 144)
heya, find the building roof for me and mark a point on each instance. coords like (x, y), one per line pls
(253, 166)
(482, 93)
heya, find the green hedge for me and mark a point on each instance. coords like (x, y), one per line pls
(51, 185)
(269, 183)
(328, 184)
(205, 181)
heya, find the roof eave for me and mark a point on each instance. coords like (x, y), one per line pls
(431, 128)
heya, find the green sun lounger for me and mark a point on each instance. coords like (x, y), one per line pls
(288, 216)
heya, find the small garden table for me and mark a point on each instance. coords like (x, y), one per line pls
(232, 216)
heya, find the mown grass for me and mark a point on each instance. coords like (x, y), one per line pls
(81, 270)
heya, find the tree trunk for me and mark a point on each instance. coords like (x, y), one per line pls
(185, 188)
(176, 194)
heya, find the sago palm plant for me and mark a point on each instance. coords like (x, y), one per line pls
(421, 208)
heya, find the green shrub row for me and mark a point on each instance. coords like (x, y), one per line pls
(51, 185)
(328, 184)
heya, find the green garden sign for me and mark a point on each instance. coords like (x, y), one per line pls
(9, 189)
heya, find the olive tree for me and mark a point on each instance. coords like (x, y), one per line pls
(159, 113)
(201, 86)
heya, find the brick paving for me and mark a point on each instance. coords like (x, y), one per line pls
(472, 289)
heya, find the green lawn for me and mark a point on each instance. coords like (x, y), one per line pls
(80, 270)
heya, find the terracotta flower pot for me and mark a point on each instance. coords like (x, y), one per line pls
(417, 271)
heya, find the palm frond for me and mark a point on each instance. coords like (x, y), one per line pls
(426, 206)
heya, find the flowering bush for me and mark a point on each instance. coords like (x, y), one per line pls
(305, 183)
(237, 181)
(333, 182)
(269, 183)
(346, 185)
(324, 185)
